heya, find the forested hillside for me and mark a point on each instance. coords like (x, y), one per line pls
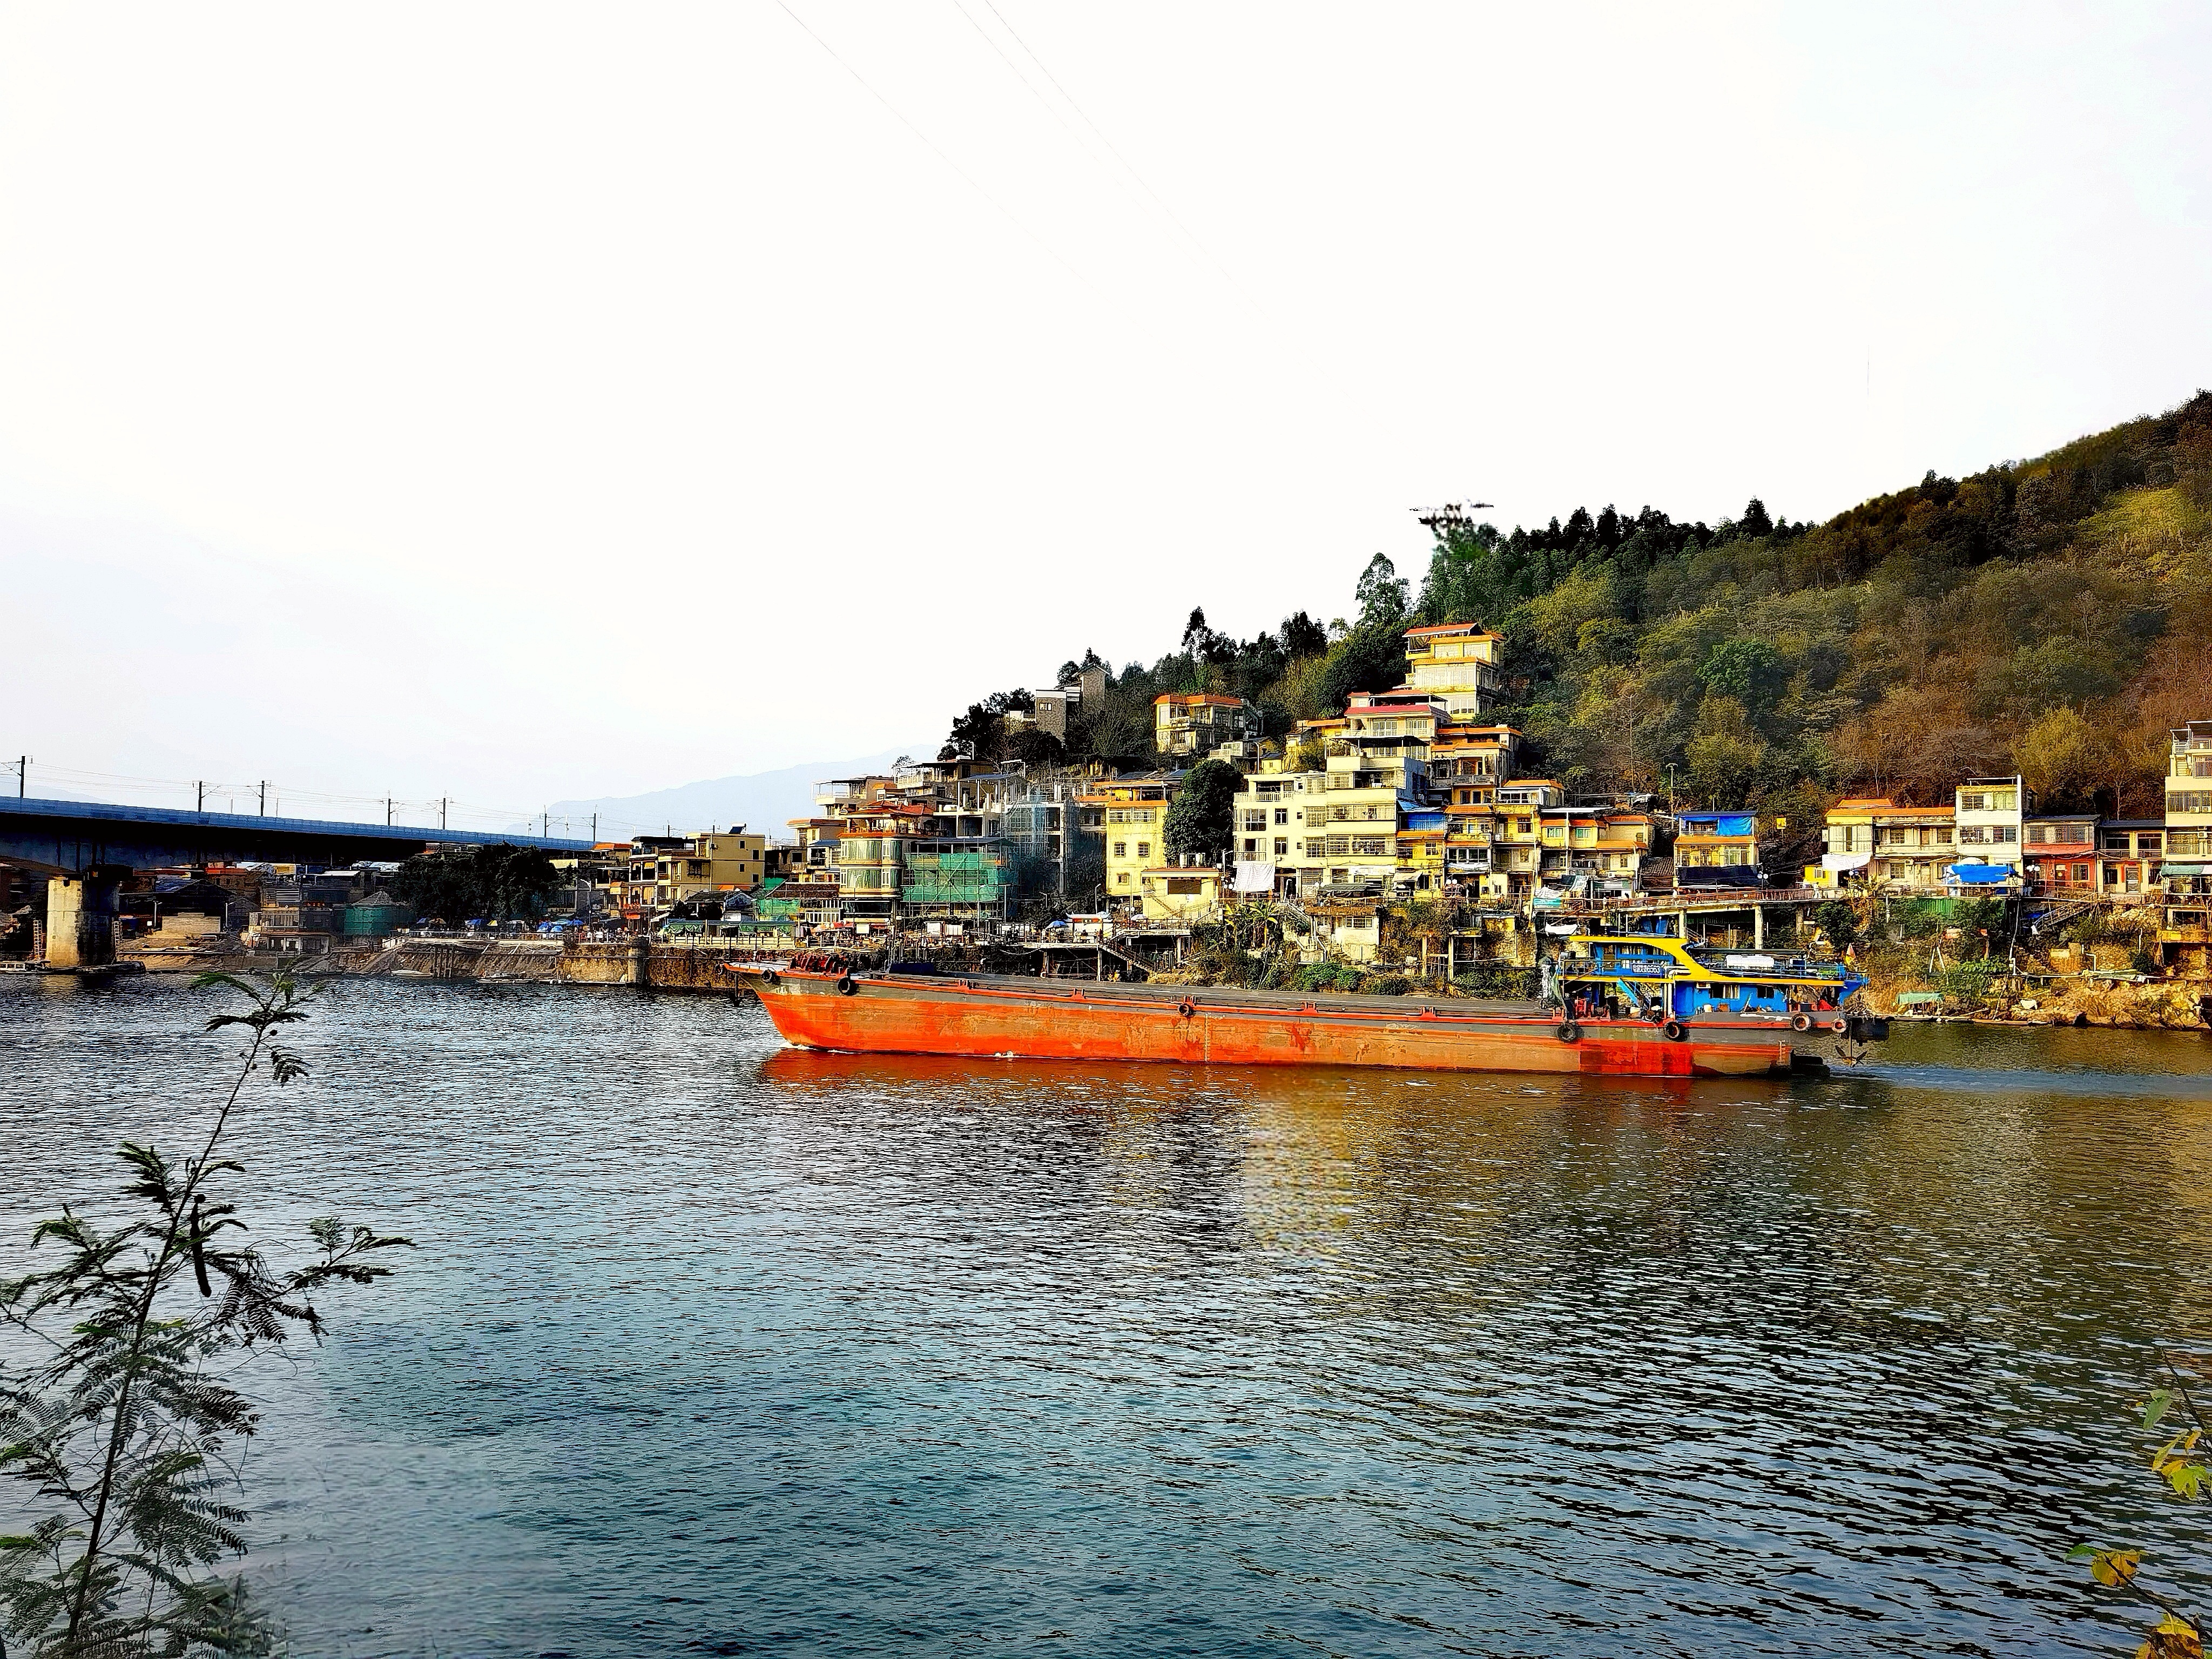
(2052, 616)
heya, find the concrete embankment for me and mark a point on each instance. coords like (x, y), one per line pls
(541, 962)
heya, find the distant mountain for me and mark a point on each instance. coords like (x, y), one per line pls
(761, 801)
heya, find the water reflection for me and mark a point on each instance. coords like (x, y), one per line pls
(720, 1344)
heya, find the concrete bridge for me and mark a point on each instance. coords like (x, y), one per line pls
(85, 848)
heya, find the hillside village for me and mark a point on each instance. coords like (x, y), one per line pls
(1988, 691)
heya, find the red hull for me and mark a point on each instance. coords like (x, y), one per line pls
(1049, 1020)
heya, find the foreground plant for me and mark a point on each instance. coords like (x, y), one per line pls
(117, 1421)
(2181, 1464)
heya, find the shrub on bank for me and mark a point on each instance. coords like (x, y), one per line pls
(1497, 979)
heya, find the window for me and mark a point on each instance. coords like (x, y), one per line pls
(1144, 849)
(1282, 845)
(1251, 847)
(1121, 849)
(1972, 835)
(2004, 833)
(2039, 834)
(1942, 835)
(1121, 878)
(1973, 803)
(1282, 815)
(2081, 873)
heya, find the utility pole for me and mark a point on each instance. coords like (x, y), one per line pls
(22, 776)
(442, 811)
(387, 812)
(264, 797)
(595, 829)
(199, 803)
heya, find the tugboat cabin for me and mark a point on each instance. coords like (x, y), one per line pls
(1631, 976)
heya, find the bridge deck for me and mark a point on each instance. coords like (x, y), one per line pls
(74, 835)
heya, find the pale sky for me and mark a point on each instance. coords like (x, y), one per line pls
(523, 403)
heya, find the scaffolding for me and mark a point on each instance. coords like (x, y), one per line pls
(968, 882)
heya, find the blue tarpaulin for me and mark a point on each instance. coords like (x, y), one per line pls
(1983, 875)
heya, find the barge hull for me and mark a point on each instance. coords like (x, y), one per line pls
(986, 1018)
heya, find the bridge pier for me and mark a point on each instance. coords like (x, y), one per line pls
(80, 917)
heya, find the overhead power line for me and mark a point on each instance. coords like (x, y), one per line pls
(937, 150)
(1144, 185)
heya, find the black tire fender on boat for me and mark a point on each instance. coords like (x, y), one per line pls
(847, 985)
(1186, 1007)
(769, 976)
(1675, 1030)
(1800, 1022)
(1839, 1025)
(1569, 1032)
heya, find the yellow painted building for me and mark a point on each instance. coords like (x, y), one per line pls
(1459, 663)
(1518, 846)
(1189, 893)
(1198, 722)
(1131, 817)
(662, 870)
(1875, 843)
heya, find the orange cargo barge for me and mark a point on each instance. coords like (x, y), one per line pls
(988, 1017)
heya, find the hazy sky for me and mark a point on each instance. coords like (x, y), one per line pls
(514, 404)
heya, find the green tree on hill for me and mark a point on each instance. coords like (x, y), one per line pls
(1199, 818)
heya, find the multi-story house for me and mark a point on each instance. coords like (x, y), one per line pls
(1624, 839)
(1470, 848)
(2129, 852)
(871, 846)
(658, 870)
(1043, 826)
(1267, 826)
(1457, 662)
(1468, 762)
(1567, 858)
(2186, 872)
(1197, 722)
(1516, 839)
(1423, 837)
(1375, 768)
(2059, 850)
(1873, 842)
(1716, 849)
(1991, 813)
(1131, 817)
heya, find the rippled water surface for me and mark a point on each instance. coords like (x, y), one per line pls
(715, 1346)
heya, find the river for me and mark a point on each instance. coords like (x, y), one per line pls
(714, 1346)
